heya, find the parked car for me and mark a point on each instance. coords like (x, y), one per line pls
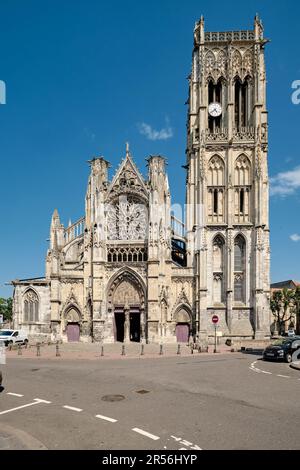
(13, 337)
(282, 349)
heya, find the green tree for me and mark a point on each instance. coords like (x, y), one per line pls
(6, 308)
(282, 303)
(297, 308)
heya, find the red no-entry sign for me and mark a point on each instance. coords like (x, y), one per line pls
(215, 319)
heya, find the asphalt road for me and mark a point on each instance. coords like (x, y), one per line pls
(230, 401)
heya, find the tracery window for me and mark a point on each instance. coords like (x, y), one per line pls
(216, 94)
(239, 268)
(218, 269)
(216, 190)
(31, 306)
(128, 254)
(242, 189)
(242, 103)
(127, 219)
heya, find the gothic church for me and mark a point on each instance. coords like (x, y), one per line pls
(129, 270)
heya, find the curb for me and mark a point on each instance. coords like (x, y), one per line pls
(16, 439)
(295, 365)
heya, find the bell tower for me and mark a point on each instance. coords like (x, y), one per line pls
(227, 190)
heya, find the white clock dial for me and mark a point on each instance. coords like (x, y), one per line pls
(215, 109)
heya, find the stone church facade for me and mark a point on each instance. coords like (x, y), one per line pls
(129, 270)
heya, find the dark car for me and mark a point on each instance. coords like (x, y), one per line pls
(282, 349)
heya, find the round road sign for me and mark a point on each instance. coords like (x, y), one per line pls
(215, 319)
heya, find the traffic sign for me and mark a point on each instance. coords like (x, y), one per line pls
(215, 319)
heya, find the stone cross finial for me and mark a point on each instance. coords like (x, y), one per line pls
(127, 149)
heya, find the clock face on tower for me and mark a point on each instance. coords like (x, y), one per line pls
(215, 109)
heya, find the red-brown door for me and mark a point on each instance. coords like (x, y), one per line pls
(182, 332)
(73, 332)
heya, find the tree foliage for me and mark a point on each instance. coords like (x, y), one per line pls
(285, 306)
(6, 308)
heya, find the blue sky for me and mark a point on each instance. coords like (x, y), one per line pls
(83, 76)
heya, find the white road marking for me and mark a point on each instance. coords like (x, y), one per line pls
(285, 376)
(265, 372)
(182, 448)
(72, 408)
(35, 402)
(186, 443)
(15, 394)
(43, 401)
(106, 418)
(145, 433)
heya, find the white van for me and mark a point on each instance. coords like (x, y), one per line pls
(13, 337)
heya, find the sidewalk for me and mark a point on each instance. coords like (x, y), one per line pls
(92, 351)
(295, 365)
(15, 439)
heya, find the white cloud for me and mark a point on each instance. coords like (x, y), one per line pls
(285, 183)
(295, 237)
(153, 134)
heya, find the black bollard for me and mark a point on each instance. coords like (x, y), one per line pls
(123, 350)
(192, 349)
(178, 349)
(142, 350)
(161, 350)
(57, 350)
(102, 351)
(19, 350)
(38, 349)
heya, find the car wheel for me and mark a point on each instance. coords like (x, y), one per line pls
(25, 342)
(288, 358)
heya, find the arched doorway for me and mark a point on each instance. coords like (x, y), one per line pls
(72, 322)
(126, 302)
(183, 325)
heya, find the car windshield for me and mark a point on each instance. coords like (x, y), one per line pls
(6, 333)
(278, 342)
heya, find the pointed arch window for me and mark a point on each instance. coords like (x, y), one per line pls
(242, 189)
(216, 94)
(239, 269)
(218, 269)
(216, 190)
(242, 103)
(31, 306)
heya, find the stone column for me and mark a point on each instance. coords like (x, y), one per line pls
(127, 324)
(142, 328)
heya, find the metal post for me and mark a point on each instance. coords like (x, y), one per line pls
(142, 350)
(102, 351)
(161, 350)
(192, 349)
(38, 349)
(178, 349)
(123, 350)
(19, 350)
(215, 349)
(57, 350)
